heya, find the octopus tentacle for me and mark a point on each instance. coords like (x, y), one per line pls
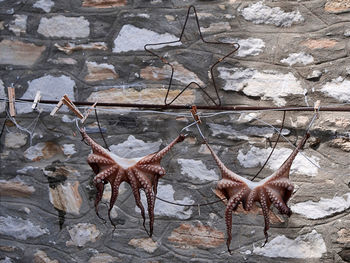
(98, 159)
(231, 206)
(100, 177)
(115, 192)
(159, 155)
(225, 183)
(136, 192)
(152, 168)
(265, 209)
(147, 186)
(99, 194)
(278, 202)
(96, 148)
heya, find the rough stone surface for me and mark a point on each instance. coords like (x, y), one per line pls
(188, 236)
(103, 3)
(15, 140)
(146, 244)
(98, 72)
(64, 27)
(19, 53)
(292, 54)
(45, 5)
(310, 245)
(66, 197)
(41, 257)
(20, 228)
(81, 234)
(19, 24)
(131, 38)
(15, 188)
(51, 88)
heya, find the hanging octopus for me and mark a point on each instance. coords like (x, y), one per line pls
(141, 173)
(275, 189)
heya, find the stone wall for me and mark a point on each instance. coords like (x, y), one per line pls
(292, 54)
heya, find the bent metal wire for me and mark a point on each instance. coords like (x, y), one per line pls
(234, 45)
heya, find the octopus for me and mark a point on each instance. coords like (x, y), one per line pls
(275, 190)
(141, 173)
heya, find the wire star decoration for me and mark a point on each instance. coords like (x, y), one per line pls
(235, 46)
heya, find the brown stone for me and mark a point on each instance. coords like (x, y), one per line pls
(274, 218)
(188, 237)
(42, 150)
(344, 236)
(98, 72)
(319, 43)
(7, 248)
(342, 143)
(69, 48)
(146, 96)
(181, 74)
(15, 189)
(66, 197)
(104, 3)
(19, 53)
(146, 244)
(337, 6)
(41, 257)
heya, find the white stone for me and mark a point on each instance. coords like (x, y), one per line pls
(256, 157)
(310, 245)
(338, 88)
(259, 13)
(51, 88)
(67, 61)
(45, 5)
(131, 38)
(166, 192)
(19, 25)
(68, 149)
(35, 151)
(323, 208)
(15, 140)
(133, 148)
(20, 228)
(243, 134)
(248, 47)
(296, 58)
(268, 84)
(81, 234)
(64, 27)
(196, 169)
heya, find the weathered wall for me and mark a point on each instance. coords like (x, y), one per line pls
(292, 53)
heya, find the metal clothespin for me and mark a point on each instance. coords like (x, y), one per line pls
(88, 111)
(12, 97)
(36, 99)
(195, 114)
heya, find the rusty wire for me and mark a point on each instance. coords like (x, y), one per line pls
(234, 45)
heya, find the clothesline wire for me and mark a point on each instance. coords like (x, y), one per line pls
(203, 115)
(331, 107)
